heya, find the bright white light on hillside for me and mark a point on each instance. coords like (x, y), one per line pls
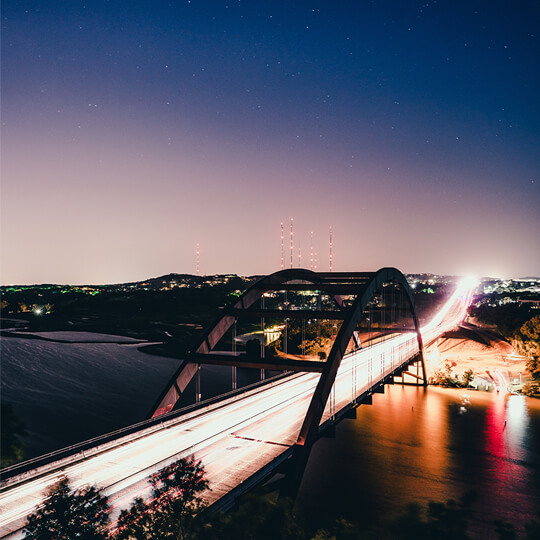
(469, 282)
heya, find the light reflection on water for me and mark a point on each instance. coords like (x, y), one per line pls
(509, 458)
(420, 445)
(69, 392)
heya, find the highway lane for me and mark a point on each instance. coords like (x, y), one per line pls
(117, 469)
(233, 439)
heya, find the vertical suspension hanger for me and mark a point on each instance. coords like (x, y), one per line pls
(198, 384)
(263, 339)
(234, 373)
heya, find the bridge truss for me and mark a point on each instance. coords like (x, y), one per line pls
(292, 317)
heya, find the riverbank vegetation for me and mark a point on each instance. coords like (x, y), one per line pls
(12, 436)
(526, 340)
(445, 377)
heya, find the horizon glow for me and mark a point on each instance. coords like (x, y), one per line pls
(412, 131)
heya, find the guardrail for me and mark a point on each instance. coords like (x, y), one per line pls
(79, 451)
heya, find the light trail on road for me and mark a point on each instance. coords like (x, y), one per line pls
(233, 438)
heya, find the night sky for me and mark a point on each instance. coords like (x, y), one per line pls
(133, 130)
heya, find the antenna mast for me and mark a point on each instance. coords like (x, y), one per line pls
(330, 248)
(282, 248)
(292, 221)
(311, 250)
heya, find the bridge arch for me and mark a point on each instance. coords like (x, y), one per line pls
(363, 286)
(310, 427)
(187, 370)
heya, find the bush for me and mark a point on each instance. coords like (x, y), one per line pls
(527, 342)
(531, 389)
(12, 446)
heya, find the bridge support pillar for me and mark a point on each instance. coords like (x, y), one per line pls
(416, 373)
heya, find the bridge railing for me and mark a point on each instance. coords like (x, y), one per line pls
(91, 447)
(363, 369)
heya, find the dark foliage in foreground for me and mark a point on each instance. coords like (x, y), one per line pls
(12, 445)
(264, 518)
(175, 511)
(255, 518)
(444, 521)
(172, 508)
(68, 515)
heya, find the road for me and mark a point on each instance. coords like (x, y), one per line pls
(233, 438)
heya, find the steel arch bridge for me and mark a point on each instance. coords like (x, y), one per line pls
(355, 299)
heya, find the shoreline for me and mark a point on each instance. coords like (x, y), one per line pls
(492, 360)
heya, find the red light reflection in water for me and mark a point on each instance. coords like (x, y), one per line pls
(506, 425)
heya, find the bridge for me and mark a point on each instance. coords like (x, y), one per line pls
(343, 336)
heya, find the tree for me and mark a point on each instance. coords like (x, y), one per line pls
(257, 517)
(468, 377)
(316, 346)
(443, 376)
(69, 515)
(12, 447)
(445, 521)
(531, 388)
(172, 508)
(340, 530)
(527, 342)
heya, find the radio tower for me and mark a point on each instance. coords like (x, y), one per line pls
(330, 248)
(311, 250)
(282, 248)
(299, 256)
(198, 259)
(292, 220)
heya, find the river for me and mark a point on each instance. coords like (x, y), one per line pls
(412, 444)
(420, 445)
(68, 392)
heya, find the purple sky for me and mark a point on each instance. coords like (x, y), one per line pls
(131, 131)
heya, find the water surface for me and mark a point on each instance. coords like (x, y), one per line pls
(435, 444)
